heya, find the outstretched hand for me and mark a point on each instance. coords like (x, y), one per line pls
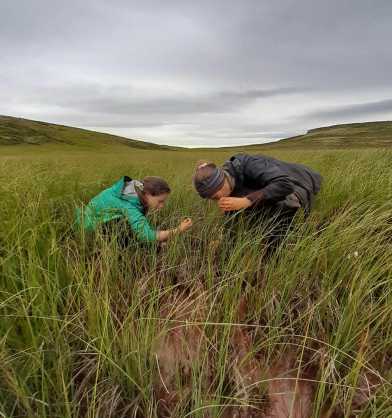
(228, 204)
(185, 224)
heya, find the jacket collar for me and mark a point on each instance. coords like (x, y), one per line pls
(234, 169)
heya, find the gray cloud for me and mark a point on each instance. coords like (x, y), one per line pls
(120, 100)
(179, 71)
(355, 110)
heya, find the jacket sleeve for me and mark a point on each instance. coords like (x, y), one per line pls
(274, 183)
(140, 225)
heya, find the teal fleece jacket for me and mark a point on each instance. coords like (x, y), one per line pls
(118, 201)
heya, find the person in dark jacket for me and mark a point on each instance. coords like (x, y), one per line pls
(274, 188)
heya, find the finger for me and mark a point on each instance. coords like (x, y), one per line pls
(227, 205)
(225, 202)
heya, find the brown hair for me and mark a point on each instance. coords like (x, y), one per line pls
(203, 170)
(155, 186)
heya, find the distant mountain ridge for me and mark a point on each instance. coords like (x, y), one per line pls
(14, 131)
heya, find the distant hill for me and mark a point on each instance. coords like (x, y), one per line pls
(351, 135)
(14, 131)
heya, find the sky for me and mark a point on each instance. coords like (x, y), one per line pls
(197, 73)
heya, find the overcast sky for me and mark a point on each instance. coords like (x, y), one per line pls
(197, 73)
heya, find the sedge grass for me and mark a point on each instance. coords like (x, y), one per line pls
(82, 322)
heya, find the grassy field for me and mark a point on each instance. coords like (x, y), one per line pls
(206, 327)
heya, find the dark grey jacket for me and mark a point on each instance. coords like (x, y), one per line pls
(273, 181)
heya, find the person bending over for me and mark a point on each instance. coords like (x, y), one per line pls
(130, 200)
(262, 185)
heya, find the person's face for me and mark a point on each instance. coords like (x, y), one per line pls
(224, 191)
(156, 202)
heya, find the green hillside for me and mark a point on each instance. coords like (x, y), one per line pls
(14, 131)
(368, 134)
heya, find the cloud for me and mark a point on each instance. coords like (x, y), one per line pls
(178, 71)
(124, 100)
(354, 110)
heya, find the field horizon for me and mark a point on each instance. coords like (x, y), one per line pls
(18, 131)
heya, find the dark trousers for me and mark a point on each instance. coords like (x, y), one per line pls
(278, 226)
(274, 220)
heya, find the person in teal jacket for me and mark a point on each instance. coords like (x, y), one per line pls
(130, 199)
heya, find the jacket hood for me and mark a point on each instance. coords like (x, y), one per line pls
(131, 188)
(127, 189)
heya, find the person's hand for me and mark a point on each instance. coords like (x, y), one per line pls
(233, 203)
(185, 224)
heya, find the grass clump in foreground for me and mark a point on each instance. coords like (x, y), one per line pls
(206, 327)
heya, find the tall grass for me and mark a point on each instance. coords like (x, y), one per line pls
(208, 325)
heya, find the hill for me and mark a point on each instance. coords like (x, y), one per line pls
(351, 135)
(14, 131)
